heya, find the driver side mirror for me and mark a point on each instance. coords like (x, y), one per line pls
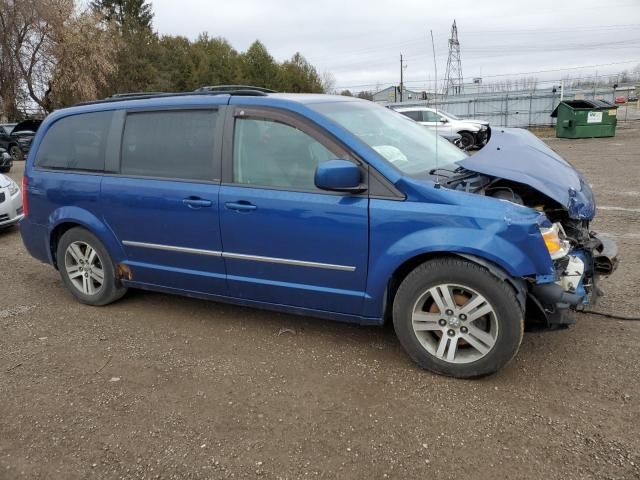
(444, 120)
(339, 176)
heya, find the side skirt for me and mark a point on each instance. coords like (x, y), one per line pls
(276, 307)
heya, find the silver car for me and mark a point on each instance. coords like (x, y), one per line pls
(474, 133)
(10, 202)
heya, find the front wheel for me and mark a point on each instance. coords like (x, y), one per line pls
(467, 141)
(453, 317)
(86, 268)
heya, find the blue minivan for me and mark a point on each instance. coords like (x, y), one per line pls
(316, 205)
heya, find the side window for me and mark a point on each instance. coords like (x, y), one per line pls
(170, 144)
(76, 142)
(414, 115)
(274, 154)
(431, 116)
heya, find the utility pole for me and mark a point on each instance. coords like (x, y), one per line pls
(402, 66)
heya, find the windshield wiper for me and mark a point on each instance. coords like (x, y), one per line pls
(434, 170)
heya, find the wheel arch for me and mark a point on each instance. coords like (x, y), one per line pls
(410, 264)
(66, 218)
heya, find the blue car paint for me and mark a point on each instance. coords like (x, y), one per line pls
(518, 155)
(161, 213)
(377, 236)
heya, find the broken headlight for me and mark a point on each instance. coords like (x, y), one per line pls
(555, 241)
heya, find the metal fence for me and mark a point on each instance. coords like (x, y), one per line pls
(512, 109)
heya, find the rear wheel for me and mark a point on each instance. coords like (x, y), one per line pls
(86, 268)
(15, 152)
(455, 318)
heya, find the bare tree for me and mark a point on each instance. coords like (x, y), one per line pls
(52, 53)
(328, 82)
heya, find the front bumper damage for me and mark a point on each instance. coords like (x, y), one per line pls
(482, 137)
(577, 282)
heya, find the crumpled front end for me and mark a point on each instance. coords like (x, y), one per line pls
(517, 167)
(589, 256)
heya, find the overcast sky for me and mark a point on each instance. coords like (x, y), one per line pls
(359, 42)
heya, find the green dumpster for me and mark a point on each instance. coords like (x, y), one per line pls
(585, 119)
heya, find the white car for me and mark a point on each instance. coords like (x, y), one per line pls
(474, 133)
(10, 202)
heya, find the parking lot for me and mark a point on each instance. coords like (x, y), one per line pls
(157, 386)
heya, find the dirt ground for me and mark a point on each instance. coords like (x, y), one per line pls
(158, 386)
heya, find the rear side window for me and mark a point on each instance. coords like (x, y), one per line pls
(170, 144)
(76, 142)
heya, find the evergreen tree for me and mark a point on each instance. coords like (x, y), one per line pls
(137, 55)
(127, 14)
(298, 75)
(258, 68)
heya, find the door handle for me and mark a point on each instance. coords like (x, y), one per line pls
(241, 206)
(196, 202)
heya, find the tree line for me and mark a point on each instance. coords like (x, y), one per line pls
(54, 53)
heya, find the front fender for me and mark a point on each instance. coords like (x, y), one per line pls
(86, 219)
(488, 245)
(399, 235)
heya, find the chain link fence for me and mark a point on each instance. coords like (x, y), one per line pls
(515, 109)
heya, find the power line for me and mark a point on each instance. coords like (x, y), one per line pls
(419, 41)
(497, 52)
(499, 75)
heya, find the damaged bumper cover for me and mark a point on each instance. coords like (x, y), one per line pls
(577, 281)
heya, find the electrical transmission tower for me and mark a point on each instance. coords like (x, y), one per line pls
(453, 78)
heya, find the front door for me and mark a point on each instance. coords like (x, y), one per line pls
(163, 203)
(433, 121)
(285, 241)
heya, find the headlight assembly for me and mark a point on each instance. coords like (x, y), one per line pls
(554, 240)
(13, 188)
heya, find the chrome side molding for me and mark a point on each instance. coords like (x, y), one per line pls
(240, 256)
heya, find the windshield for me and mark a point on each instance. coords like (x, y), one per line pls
(450, 115)
(409, 146)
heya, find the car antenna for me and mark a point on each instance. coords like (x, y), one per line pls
(435, 104)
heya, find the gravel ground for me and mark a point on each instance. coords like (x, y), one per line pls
(158, 386)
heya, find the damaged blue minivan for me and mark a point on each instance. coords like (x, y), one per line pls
(316, 205)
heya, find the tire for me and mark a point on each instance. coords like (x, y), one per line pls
(15, 152)
(473, 347)
(467, 140)
(82, 271)
(5, 169)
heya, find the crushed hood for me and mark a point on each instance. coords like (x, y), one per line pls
(518, 155)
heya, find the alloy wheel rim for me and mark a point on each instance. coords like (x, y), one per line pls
(454, 323)
(84, 268)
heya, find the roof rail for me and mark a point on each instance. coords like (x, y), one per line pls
(240, 90)
(236, 89)
(135, 94)
(121, 97)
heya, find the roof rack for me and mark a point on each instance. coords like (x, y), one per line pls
(240, 90)
(236, 89)
(135, 94)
